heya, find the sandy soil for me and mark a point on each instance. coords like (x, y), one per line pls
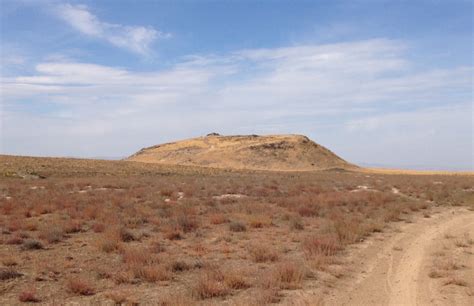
(426, 261)
(396, 270)
(414, 172)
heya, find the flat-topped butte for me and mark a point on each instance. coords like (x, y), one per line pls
(270, 152)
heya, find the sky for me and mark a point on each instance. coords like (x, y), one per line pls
(380, 83)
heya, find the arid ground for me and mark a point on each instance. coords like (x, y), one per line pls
(120, 232)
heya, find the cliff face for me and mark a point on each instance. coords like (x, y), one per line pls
(274, 152)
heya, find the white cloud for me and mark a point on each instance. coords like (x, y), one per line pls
(137, 39)
(338, 94)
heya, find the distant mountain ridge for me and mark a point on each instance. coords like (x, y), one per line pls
(271, 152)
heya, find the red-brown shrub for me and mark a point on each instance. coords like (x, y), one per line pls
(80, 286)
(28, 295)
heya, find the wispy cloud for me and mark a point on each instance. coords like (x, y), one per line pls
(137, 39)
(422, 138)
(339, 94)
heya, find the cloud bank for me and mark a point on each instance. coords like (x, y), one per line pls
(359, 98)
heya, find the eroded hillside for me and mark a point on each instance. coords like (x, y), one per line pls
(274, 152)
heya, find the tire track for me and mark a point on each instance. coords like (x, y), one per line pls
(396, 271)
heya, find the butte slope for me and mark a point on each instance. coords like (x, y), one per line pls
(273, 152)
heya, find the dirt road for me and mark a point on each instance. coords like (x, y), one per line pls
(398, 270)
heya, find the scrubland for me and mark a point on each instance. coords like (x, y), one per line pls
(124, 232)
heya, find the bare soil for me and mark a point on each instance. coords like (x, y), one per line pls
(427, 261)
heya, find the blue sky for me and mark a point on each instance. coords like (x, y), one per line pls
(379, 82)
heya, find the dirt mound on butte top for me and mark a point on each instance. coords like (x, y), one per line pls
(274, 152)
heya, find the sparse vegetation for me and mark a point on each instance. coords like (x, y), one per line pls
(263, 253)
(290, 274)
(80, 286)
(195, 235)
(449, 266)
(32, 244)
(28, 295)
(8, 273)
(237, 226)
(455, 281)
(51, 234)
(210, 284)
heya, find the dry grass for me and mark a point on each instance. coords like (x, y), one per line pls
(210, 284)
(315, 246)
(8, 273)
(32, 244)
(180, 266)
(119, 297)
(296, 223)
(109, 241)
(260, 221)
(98, 227)
(173, 233)
(153, 273)
(451, 265)
(436, 274)
(9, 261)
(455, 281)
(125, 234)
(235, 279)
(14, 240)
(80, 286)
(28, 295)
(218, 218)
(135, 233)
(263, 253)
(237, 226)
(52, 233)
(176, 300)
(290, 274)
